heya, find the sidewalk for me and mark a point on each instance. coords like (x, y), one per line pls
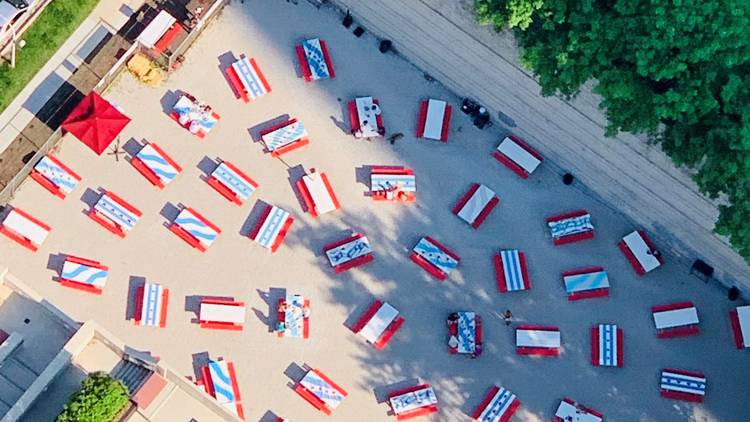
(440, 37)
(30, 119)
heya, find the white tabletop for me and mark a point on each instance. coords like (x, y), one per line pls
(676, 318)
(25, 227)
(371, 128)
(379, 322)
(567, 410)
(743, 314)
(537, 338)
(413, 400)
(215, 312)
(319, 192)
(433, 126)
(156, 29)
(640, 249)
(475, 205)
(520, 156)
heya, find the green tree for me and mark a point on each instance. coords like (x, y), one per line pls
(100, 399)
(677, 70)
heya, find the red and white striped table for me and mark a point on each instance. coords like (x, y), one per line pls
(676, 320)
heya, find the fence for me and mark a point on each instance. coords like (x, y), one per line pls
(178, 52)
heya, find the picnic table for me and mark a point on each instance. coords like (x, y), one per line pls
(378, 324)
(284, 137)
(465, 333)
(55, 176)
(537, 340)
(159, 32)
(194, 229)
(434, 120)
(247, 80)
(272, 227)
(675, 320)
(570, 411)
(320, 391)
(511, 271)
(223, 314)
(155, 165)
(413, 401)
(220, 381)
(740, 318)
(348, 253)
(498, 405)
(393, 183)
(314, 60)
(640, 252)
(683, 385)
(24, 229)
(365, 117)
(606, 345)
(318, 194)
(151, 305)
(518, 156)
(114, 214)
(434, 258)
(476, 205)
(570, 227)
(586, 283)
(293, 317)
(196, 117)
(232, 183)
(83, 274)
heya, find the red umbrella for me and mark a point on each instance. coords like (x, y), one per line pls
(95, 122)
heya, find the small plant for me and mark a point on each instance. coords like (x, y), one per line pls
(100, 399)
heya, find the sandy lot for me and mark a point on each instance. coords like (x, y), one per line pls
(234, 266)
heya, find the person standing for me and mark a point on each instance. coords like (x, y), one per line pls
(508, 317)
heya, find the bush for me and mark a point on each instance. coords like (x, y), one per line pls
(100, 399)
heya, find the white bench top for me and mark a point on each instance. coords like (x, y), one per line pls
(379, 322)
(537, 338)
(371, 128)
(214, 312)
(743, 315)
(156, 29)
(520, 156)
(319, 193)
(676, 318)
(640, 250)
(433, 125)
(567, 410)
(476, 204)
(25, 227)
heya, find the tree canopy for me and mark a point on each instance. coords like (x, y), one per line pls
(100, 399)
(678, 70)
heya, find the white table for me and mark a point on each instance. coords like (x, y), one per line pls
(214, 312)
(413, 400)
(476, 204)
(379, 322)
(319, 192)
(640, 250)
(433, 125)
(567, 410)
(156, 29)
(676, 318)
(537, 338)
(25, 227)
(519, 155)
(367, 119)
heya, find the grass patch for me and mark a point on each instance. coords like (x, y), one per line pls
(50, 30)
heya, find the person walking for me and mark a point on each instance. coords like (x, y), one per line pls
(507, 317)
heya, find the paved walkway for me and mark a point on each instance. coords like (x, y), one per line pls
(439, 36)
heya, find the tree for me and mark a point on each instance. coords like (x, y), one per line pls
(676, 70)
(100, 399)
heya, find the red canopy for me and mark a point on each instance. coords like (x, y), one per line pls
(95, 122)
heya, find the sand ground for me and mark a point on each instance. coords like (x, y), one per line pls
(234, 266)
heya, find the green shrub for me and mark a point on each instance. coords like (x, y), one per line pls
(100, 399)
(50, 30)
